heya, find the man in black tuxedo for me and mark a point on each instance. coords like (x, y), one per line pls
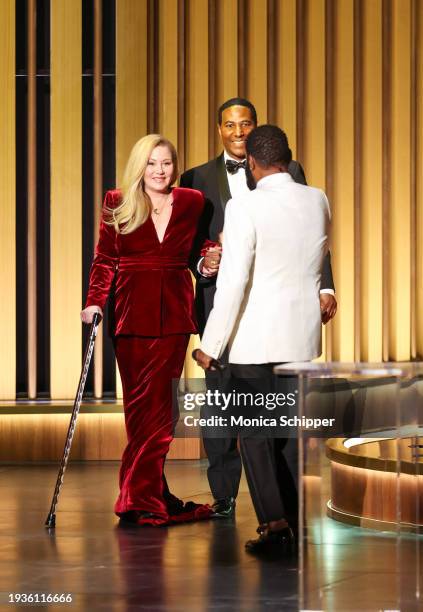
(219, 180)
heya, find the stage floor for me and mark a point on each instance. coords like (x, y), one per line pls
(188, 568)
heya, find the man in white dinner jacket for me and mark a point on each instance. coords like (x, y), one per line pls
(267, 310)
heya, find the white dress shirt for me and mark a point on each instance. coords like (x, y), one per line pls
(238, 181)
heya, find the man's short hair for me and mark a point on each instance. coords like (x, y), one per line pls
(268, 144)
(237, 102)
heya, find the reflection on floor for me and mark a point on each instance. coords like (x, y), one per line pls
(193, 567)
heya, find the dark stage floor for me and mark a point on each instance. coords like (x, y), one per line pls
(193, 567)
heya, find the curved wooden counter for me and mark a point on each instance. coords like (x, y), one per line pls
(376, 482)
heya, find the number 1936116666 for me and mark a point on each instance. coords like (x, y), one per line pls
(28, 598)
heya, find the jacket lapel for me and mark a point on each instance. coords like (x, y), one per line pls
(222, 181)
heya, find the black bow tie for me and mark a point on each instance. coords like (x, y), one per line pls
(233, 166)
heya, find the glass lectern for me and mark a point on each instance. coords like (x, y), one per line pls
(360, 445)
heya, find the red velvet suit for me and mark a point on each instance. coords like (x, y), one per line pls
(153, 317)
(153, 286)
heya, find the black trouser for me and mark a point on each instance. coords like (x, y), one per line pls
(225, 467)
(271, 464)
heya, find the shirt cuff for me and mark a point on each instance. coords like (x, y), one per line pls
(200, 261)
(330, 291)
(212, 351)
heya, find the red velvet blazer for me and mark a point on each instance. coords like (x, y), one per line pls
(153, 292)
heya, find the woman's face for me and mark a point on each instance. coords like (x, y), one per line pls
(159, 172)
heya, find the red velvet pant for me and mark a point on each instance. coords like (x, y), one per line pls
(147, 367)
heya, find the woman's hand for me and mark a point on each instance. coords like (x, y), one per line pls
(211, 261)
(88, 313)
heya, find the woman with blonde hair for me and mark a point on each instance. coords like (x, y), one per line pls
(147, 236)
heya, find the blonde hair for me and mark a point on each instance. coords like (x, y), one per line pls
(136, 207)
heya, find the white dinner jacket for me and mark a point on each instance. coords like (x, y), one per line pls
(267, 306)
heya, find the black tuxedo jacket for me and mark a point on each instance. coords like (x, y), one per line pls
(212, 180)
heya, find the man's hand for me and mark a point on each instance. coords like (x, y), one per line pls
(203, 360)
(328, 306)
(211, 262)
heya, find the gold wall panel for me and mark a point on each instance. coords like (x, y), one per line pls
(131, 86)
(197, 83)
(419, 176)
(370, 152)
(226, 51)
(311, 118)
(313, 121)
(342, 77)
(342, 171)
(131, 78)
(7, 198)
(198, 134)
(66, 180)
(167, 63)
(224, 59)
(400, 192)
(256, 73)
(286, 73)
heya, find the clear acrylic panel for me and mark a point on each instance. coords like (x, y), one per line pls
(410, 488)
(361, 475)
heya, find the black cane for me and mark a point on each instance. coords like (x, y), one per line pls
(51, 518)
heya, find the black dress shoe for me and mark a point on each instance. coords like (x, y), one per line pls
(224, 507)
(132, 516)
(174, 505)
(280, 543)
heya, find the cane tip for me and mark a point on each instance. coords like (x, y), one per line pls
(51, 521)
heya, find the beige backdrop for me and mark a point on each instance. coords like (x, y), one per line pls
(342, 77)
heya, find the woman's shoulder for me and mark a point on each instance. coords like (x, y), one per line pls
(112, 198)
(191, 196)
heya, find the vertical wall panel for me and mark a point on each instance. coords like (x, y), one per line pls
(243, 50)
(226, 56)
(131, 86)
(152, 66)
(343, 178)
(7, 198)
(386, 168)
(167, 62)
(399, 218)
(311, 110)
(181, 23)
(197, 74)
(212, 80)
(196, 108)
(342, 77)
(131, 78)
(313, 121)
(226, 50)
(413, 186)
(286, 81)
(32, 201)
(66, 167)
(371, 181)
(419, 178)
(256, 73)
(272, 59)
(98, 170)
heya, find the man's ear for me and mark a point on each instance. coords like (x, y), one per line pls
(251, 162)
(219, 129)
